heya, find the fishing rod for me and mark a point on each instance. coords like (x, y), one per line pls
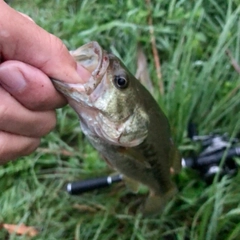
(79, 187)
(213, 148)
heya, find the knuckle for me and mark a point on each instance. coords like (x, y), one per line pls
(30, 147)
(3, 144)
(48, 124)
(52, 121)
(4, 110)
(15, 146)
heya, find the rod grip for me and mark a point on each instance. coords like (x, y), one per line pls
(79, 187)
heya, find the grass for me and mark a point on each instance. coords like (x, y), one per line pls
(200, 86)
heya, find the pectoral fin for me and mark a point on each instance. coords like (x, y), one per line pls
(176, 158)
(131, 184)
(136, 156)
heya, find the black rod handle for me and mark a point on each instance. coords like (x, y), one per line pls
(79, 187)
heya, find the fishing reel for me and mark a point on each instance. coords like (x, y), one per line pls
(208, 162)
(214, 149)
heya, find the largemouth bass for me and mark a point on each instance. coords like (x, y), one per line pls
(124, 123)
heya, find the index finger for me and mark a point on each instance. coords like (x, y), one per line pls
(23, 40)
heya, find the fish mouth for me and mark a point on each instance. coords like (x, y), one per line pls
(96, 61)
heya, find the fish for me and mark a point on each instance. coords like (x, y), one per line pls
(125, 124)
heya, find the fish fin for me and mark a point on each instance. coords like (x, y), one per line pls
(155, 203)
(108, 162)
(136, 156)
(176, 165)
(114, 174)
(131, 184)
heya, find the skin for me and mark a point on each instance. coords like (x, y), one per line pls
(28, 57)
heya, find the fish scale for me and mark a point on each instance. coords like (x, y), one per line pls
(130, 130)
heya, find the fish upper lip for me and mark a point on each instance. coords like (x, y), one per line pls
(95, 60)
(86, 52)
(98, 51)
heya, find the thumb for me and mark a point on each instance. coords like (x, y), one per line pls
(23, 40)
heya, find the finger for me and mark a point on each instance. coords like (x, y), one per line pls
(33, 45)
(16, 119)
(26, 16)
(14, 146)
(30, 86)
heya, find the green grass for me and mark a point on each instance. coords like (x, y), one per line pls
(200, 85)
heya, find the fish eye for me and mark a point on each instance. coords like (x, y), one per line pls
(120, 82)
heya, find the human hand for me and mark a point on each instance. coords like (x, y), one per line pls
(28, 57)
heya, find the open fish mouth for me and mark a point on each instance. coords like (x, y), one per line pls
(94, 59)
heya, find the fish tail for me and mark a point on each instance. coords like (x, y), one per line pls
(156, 203)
